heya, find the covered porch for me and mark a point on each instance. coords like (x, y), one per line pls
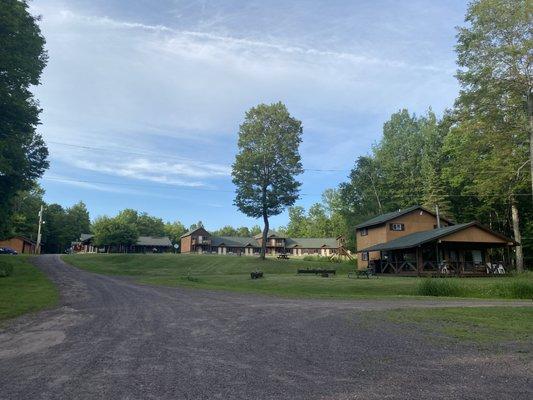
(460, 250)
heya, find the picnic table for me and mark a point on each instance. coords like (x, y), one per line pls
(359, 273)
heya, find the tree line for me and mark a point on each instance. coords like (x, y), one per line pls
(64, 225)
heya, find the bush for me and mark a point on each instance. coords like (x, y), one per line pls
(6, 268)
(515, 289)
(445, 287)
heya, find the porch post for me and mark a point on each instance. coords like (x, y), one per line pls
(462, 259)
(419, 260)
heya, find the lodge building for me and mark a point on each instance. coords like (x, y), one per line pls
(144, 244)
(201, 241)
(411, 241)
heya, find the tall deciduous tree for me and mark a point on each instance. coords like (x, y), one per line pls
(23, 154)
(174, 230)
(25, 217)
(145, 224)
(495, 107)
(78, 221)
(267, 164)
(114, 232)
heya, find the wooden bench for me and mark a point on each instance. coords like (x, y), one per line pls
(358, 273)
(317, 271)
(283, 257)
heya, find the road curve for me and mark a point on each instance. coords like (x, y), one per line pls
(114, 339)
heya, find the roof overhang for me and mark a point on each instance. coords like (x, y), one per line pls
(399, 243)
(369, 223)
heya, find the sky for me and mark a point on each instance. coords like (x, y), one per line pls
(142, 100)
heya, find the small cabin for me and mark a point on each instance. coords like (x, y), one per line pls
(390, 226)
(21, 245)
(411, 242)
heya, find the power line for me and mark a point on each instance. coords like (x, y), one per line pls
(202, 189)
(180, 158)
(159, 156)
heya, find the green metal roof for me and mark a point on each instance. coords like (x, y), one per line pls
(162, 241)
(381, 219)
(418, 238)
(311, 243)
(85, 236)
(270, 234)
(233, 241)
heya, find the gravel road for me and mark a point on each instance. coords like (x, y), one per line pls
(114, 339)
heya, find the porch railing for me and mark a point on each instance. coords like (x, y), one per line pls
(441, 268)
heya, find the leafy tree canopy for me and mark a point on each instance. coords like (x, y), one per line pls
(23, 154)
(267, 162)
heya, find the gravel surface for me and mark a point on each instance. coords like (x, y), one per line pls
(114, 339)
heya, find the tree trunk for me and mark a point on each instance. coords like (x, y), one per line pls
(265, 236)
(517, 236)
(530, 115)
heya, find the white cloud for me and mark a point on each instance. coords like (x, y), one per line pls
(119, 84)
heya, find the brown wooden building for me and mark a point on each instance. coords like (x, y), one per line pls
(144, 244)
(21, 245)
(201, 241)
(409, 242)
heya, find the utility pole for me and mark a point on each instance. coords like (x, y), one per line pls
(438, 216)
(38, 247)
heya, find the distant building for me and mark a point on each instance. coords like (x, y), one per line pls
(410, 241)
(21, 244)
(201, 241)
(145, 244)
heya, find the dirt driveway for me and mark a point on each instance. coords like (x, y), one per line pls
(113, 339)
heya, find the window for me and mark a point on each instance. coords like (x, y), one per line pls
(364, 231)
(397, 227)
(364, 255)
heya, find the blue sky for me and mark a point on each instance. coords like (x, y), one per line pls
(143, 99)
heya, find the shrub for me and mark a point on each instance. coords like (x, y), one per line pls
(446, 287)
(515, 289)
(6, 268)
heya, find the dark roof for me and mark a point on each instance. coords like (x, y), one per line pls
(233, 241)
(190, 232)
(161, 241)
(270, 234)
(24, 238)
(383, 218)
(85, 236)
(306, 243)
(418, 238)
(311, 243)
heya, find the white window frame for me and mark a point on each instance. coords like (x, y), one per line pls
(364, 256)
(397, 227)
(364, 231)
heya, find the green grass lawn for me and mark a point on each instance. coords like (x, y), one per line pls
(233, 273)
(479, 325)
(26, 290)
